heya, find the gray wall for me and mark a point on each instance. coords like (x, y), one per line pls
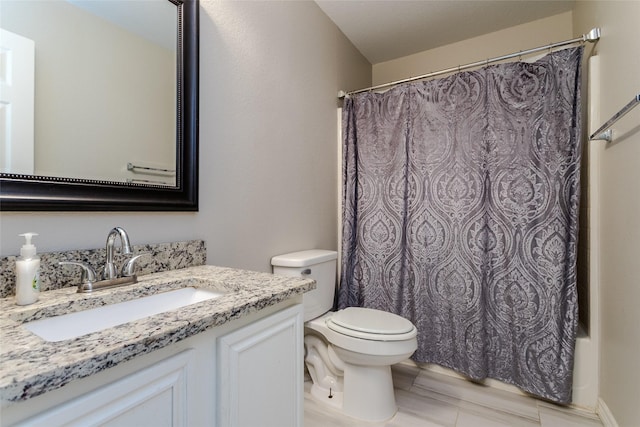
(269, 77)
(619, 203)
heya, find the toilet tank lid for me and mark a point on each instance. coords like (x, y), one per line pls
(303, 258)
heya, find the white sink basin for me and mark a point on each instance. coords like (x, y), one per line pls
(72, 325)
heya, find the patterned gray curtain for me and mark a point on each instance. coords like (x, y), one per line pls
(460, 213)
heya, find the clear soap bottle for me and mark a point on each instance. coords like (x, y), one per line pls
(27, 273)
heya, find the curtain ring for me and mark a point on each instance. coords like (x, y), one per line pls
(458, 68)
(520, 56)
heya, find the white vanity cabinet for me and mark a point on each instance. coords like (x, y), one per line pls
(154, 396)
(260, 373)
(247, 372)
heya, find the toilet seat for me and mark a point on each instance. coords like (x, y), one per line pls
(370, 324)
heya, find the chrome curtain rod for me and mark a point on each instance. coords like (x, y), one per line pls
(604, 133)
(592, 36)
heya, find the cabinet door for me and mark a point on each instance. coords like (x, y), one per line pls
(260, 372)
(155, 396)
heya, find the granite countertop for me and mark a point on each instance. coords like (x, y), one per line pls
(30, 366)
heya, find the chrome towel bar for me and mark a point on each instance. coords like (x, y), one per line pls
(149, 170)
(604, 133)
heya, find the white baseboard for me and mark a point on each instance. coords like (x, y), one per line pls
(605, 414)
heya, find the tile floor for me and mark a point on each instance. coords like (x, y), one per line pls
(429, 399)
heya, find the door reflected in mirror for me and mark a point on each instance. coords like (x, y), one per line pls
(91, 87)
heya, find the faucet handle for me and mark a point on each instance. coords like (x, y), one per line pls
(88, 273)
(129, 267)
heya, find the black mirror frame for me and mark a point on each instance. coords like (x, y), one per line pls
(37, 193)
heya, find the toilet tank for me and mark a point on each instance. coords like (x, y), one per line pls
(316, 264)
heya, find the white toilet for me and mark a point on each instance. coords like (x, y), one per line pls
(348, 353)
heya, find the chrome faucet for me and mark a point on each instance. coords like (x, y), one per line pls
(111, 277)
(110, 271)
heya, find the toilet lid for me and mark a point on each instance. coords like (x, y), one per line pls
(366, 322)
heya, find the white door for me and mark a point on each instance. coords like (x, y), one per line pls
(17, 77)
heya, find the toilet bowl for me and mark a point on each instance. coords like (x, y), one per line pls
(348, 353)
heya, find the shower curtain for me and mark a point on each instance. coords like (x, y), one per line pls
(460, 213)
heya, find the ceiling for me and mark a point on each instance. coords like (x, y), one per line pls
(390, 29)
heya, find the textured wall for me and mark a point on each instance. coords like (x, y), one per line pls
(273, 72)
(619, 203)
(513, 39)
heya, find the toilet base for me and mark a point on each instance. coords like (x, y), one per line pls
(328, 397)
(369, 393)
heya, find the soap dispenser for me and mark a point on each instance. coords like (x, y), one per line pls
(27, 273)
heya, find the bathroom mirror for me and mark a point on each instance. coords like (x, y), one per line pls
(156, 166)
